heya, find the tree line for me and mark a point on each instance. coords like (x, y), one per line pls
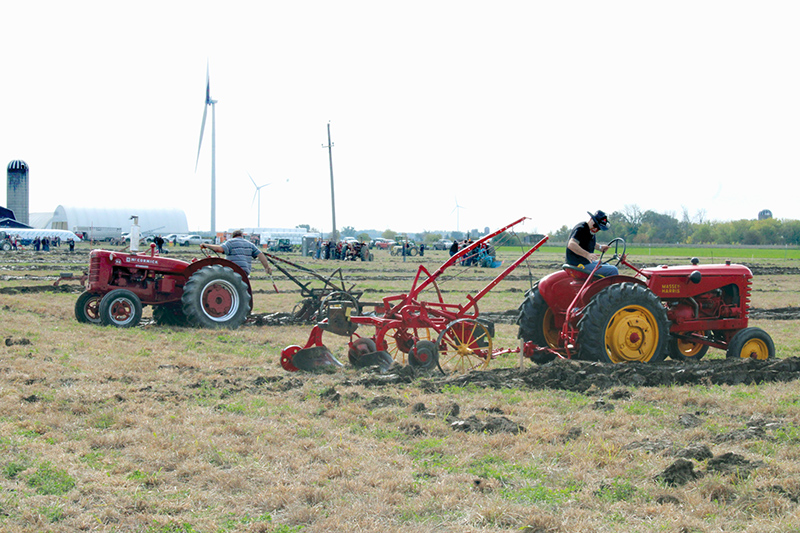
(649, 227)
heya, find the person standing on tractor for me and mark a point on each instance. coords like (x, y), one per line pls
(240, 251)
(582, 244)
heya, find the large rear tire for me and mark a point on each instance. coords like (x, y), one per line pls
(625, 322)
(216, 297)
(120, 308)
(537, 325)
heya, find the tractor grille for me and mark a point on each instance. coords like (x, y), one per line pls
(94, 269)
(746, 297)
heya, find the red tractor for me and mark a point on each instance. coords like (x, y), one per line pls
(676, 311)
(210, 293)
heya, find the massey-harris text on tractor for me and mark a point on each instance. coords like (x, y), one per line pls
(211, 293)
(676, 311)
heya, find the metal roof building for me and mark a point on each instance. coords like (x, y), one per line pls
(118, 220)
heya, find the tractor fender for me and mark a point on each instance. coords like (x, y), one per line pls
(559, 289)
(194, 266)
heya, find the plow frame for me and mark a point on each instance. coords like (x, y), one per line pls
(460, 336)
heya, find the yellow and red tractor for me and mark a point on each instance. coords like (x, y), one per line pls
(675, 311)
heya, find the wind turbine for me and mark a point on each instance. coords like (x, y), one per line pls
(457, 212)
(258, 193)
(210, 102)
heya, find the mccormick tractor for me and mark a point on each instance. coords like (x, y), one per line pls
(210, 293)
(676, 311)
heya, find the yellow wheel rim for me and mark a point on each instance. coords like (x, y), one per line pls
(755, 349)
(549, 329)
(631, 335)
(464, 346)
(688, 348)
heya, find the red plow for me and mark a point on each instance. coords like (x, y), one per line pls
(426, 334)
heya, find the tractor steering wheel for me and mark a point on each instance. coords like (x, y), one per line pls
(615, 243)
(208, 251)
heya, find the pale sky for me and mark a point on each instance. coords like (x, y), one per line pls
(510, 108)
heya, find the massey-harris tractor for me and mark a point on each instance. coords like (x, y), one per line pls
(676, 311)
(211, 292)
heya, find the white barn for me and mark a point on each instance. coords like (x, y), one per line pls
(104, 223)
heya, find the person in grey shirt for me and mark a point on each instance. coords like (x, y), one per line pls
(240, 251)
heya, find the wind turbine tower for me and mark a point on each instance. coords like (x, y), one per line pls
(212, 103)
(258, 193)
(457, 210)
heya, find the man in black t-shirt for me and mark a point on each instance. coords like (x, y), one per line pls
(582, 245)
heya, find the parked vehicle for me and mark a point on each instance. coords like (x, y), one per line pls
(442, 244)
(193, 240)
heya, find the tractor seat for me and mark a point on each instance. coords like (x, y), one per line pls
(578, 273)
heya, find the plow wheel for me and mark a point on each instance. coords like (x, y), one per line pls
(339, 297)
(87, 308)
(465, 345)
(399, 341)
(169, 315)
(686, 350)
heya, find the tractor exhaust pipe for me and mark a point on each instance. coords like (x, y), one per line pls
(134, 234)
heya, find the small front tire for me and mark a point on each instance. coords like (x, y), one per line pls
(751, 343)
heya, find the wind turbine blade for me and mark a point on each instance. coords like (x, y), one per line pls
(202, 129)
(254, 198)
(251, 179)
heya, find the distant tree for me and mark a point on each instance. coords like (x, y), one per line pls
(348, 231)
(389, 234)
(363, 237)
(562, 234)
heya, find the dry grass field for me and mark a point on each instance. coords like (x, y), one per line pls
(159, 430)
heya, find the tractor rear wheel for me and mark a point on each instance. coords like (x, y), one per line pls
(751, 343)
(87, 308)
(120, 308)
(624, 322)
(216, 297)
(169, 315)
(537, 325)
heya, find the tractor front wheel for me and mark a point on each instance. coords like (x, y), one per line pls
(87, 308)
(537, 325)
(120, 308)
(624, 322)
(216, 297)
(751, 343)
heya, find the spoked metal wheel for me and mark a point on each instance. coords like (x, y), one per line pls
(399, 341)
(465, 345)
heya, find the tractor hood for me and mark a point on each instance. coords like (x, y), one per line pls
(688, 280)
(147, 261)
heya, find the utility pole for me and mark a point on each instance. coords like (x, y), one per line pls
(334, 235)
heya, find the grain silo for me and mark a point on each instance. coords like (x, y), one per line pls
(18, 191)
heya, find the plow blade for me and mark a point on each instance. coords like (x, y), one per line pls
(314, 359)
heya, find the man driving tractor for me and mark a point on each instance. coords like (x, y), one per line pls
(582, 244)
